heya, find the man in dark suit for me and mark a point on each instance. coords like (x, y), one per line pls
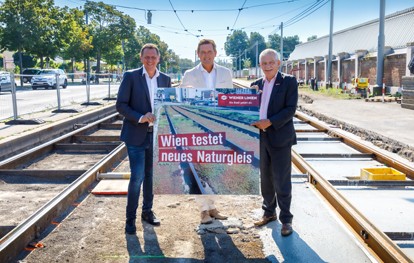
(136, 103)
(279, 97)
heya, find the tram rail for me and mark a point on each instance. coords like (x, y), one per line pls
(378, 241)
(15, 241)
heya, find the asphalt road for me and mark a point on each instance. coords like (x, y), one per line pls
(30, 101)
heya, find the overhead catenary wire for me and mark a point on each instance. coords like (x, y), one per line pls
(319, 4)
(199, 10)
(175, 12)
(238, 14)
(188, 31)
(310, 8)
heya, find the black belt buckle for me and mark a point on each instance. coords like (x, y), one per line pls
(150, 129)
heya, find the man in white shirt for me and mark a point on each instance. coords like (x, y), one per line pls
(207, 75)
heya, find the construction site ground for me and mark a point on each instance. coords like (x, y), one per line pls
(93, 229)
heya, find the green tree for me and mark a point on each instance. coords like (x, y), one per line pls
(289, 43)
(235, 43)
(109, 27)
(79, 42)
(184, 64)
(51, 31)
(18, 19)
(247, 63)
(28, 61)
(312, 38)
(274, 42)
(114, 56)
(255, 37)
(131, 49)
(173, 62)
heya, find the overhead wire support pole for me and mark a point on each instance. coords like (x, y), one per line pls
(281, 45)
(381, 43)
(257, 57)
(329, 66)
(88, 67)
(240, 63)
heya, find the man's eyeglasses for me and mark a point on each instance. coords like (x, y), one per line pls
(150, 58)
(271, 63)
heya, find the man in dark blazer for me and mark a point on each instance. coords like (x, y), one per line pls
(135, 102)
(278, 100)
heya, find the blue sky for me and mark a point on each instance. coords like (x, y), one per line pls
(210, 19)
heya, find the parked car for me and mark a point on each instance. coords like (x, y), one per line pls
(46, 78)
(5, 81)
(29, 71)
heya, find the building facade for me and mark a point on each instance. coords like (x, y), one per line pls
(354, 53)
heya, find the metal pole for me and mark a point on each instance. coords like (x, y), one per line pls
(281, 44)
(381, 42)
(123, 56)
(14, 99)
(329, 66)
(88, 67)
(109, 86)
(57, 90)
(257, 58)
(239, 67)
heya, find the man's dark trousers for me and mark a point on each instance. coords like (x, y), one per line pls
(275, 176)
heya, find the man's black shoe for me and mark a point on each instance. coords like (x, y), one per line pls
(130, 227)
(149, 217)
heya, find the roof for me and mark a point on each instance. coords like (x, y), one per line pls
(399, 30)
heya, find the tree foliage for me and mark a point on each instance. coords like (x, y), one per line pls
(239, 42)
(108, 28)
(289, 44)
(19, 21)
(236, 43)
(79, 41)
(261, 43)
(184, 64)
(28, 61)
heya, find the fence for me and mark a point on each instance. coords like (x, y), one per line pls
(56, 92)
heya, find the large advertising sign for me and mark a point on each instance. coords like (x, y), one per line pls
(204, 146)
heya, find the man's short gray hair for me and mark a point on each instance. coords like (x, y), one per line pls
(269, 51)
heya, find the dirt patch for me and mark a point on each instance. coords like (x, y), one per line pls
(94, 232)
(305, 98)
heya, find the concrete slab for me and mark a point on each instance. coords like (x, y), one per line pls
(304, 126)
(323, 147)
(341, 169)
(391, 210)
(111, 187)
(312, 135)
(319, 235)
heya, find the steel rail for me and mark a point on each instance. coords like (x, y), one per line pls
(384, 248)
(379, 242)
(48, 146)
(389, 161)
(18, 238)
